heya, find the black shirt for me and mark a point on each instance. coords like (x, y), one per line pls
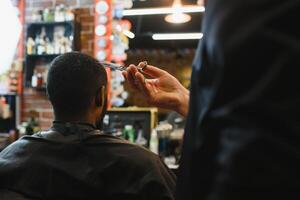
(242, 138)
(76, 161)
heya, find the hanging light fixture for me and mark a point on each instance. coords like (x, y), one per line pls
(162, 10)
(177, 36)
(178, 16)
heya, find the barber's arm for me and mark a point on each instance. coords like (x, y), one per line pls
(161, 89)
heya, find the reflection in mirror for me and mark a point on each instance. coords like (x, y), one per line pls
(9, 34)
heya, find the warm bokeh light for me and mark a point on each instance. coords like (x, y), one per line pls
(178, 17)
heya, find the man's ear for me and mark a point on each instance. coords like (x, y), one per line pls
(100, 97)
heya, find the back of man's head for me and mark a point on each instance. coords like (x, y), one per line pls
(73, 82)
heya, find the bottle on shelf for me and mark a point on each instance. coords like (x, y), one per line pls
(40, 45)
(163, 130)
(45, 74)
(141, 140)
(129, 133)
(4, 109)
(40, 80)
(69, 15)
(60, 13)
(31, 126)
(36, 16)
(49, 46)
(154, 142)
(30, 46)
(48, 15)
(37, 44)
(56, 47)
(62, 45)
(34, 79)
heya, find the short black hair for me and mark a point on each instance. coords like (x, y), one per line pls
(73, 81)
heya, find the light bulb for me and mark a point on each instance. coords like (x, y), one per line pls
(177, 16)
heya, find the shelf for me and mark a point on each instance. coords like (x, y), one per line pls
(71, 29)
(42, 55)
(50, 23)
(40, 89)
(8, 94)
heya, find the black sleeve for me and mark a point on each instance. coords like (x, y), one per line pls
(253, 44)
(243, 143)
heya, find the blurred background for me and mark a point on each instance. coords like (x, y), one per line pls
(164, 33)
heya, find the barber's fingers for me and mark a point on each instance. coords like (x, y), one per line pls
(130, 76)
(150, 70)
(132, 69)
(125, 74)
(142, 85)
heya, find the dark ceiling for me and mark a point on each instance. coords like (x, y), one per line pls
(145, 26)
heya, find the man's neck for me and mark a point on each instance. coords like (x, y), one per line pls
(75, 120)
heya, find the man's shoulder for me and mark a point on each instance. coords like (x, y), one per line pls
(19, 145)
(96, 140)
(103, 144)
(125, 151)
(124, 145)
(126, 164)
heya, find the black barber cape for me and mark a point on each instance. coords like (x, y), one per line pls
(242, 139)
(75, 161)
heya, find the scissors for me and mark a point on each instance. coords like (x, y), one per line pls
(115, 66)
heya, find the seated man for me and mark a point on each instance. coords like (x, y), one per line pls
(73, 159)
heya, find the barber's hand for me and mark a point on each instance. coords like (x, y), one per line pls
(161, 90)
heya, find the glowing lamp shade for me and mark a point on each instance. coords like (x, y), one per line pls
(9, 34)
(178, 16)
(177, 36)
